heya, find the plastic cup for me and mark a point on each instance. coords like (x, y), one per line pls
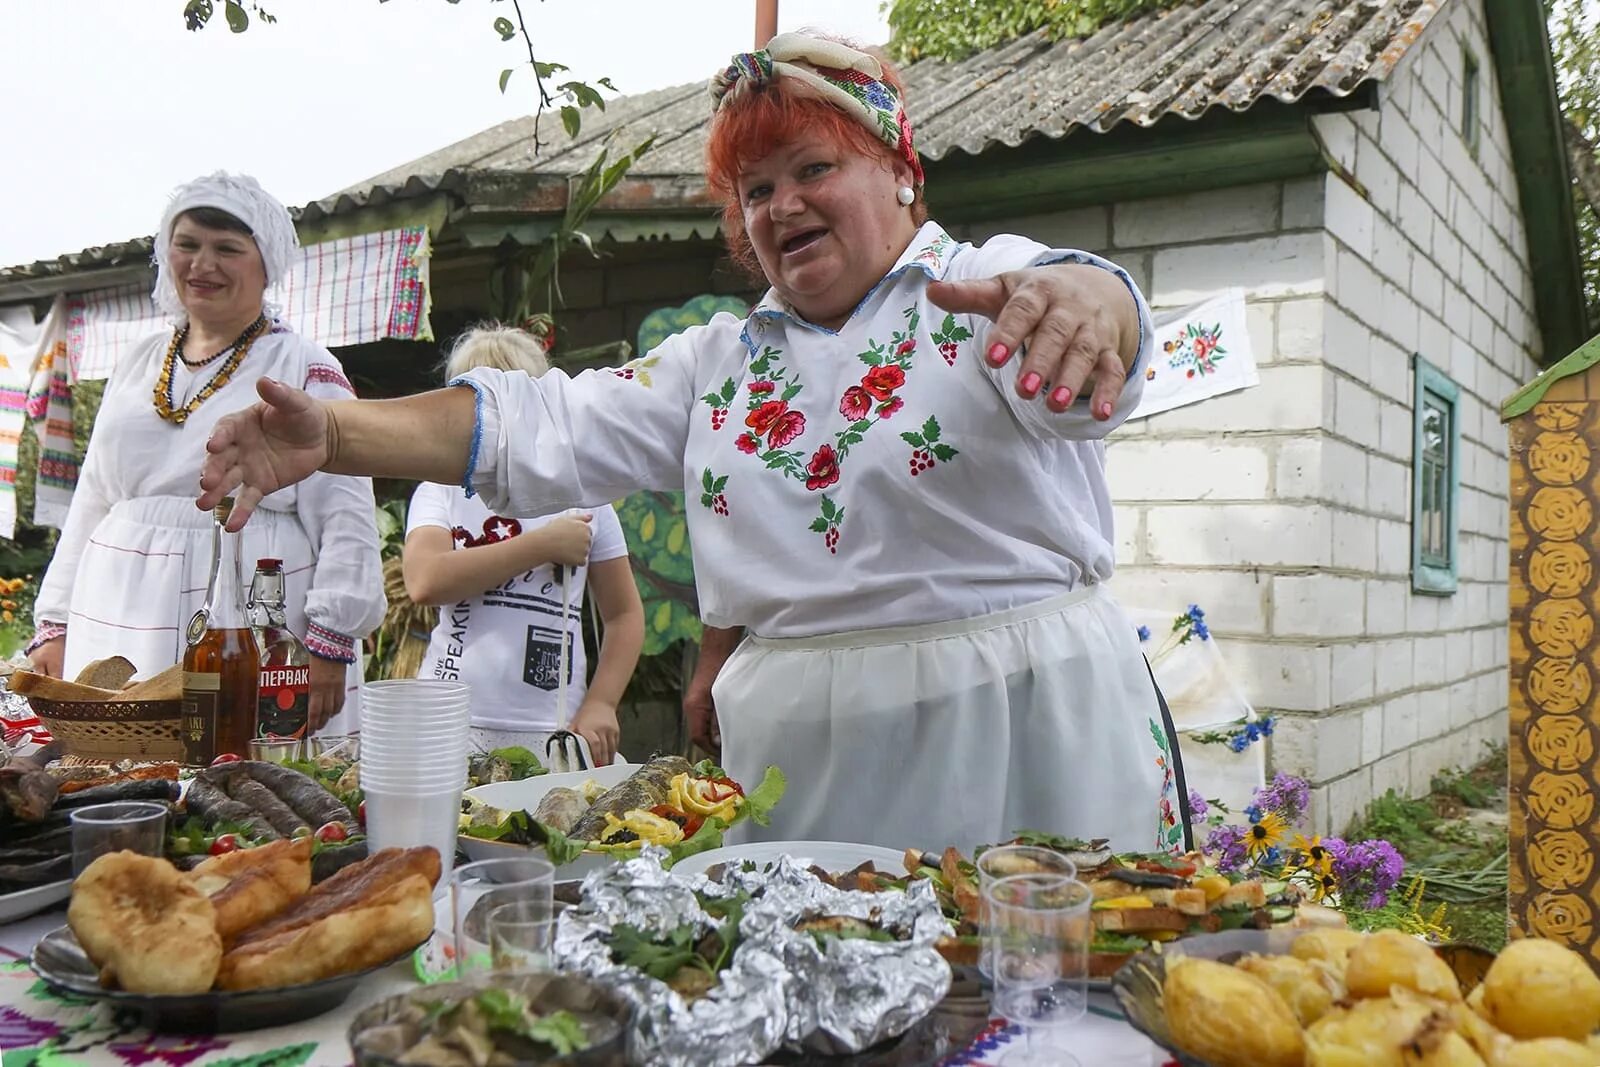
(345, 747)
(521, 935)
(477, 890)
(1005, 860)
(407, 818)
(129, 825)
(275, 749)
(1039, 933)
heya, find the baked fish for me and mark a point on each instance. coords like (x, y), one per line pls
(645, 788)
(560, 809)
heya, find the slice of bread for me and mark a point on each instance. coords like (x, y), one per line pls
(113, 672)
(168, 685)
(28, 684)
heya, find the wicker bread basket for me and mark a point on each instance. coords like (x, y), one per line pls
(114, 729)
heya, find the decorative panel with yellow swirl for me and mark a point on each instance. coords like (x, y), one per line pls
(1555, 668)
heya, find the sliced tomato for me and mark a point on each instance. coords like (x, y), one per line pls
(1180, 867)
(330, 832)
(728, 788)
(226, 757)
(226, 843)
(689, 821)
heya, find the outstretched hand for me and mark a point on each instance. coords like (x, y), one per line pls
(283, 439)
(1074, 321)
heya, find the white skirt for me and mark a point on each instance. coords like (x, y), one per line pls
(143, 575)
(961, 733)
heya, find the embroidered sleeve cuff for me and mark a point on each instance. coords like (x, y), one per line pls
(477, 432)
(1146, 325)
(330, 644)
(44, 632)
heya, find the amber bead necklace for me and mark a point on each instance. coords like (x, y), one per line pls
(166, 404)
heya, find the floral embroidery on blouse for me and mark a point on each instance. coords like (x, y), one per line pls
(637, 370)
(1169, 831)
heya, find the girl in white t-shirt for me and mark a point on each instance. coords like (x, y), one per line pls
(498, 582)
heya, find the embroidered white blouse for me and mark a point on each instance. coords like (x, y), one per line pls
(135, 454)
(879, 475)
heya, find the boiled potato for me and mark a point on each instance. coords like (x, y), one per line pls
(1331, 945)
(1309, 988)
(1539, 988)
(1389, 958)
(1230, 1018)
(1388, 1033)
(1546, 1052)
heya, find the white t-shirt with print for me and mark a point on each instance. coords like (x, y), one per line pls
(506, 642)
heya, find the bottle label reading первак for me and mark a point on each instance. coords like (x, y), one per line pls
(285, 702)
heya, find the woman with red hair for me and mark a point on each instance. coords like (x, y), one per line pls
(913, 535)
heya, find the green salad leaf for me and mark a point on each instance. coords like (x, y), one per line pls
(759, 802)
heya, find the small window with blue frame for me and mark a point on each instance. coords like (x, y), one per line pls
(1435, 481)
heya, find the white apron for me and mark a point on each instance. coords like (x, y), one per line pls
(143, 575)
(959, 733)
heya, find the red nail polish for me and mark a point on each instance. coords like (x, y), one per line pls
(1061, 397)
(1030, 383)
(998, 354)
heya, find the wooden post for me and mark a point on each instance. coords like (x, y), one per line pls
(1555, 480)
(766, 22)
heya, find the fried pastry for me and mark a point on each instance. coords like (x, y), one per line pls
(386, 920)
(356, 885)
(145, 925)
(252, 885)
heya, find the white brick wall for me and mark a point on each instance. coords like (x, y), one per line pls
(1285, 509)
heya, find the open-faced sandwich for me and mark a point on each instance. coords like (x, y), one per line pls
(668, 801)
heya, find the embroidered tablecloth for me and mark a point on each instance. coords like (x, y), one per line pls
(42, 1028)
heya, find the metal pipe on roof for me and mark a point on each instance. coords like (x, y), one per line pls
(766, 22)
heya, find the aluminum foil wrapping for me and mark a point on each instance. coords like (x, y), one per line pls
(741, 1021)
(831, 995)
(851, 993)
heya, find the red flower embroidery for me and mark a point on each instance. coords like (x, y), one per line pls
(786, 428)
(855, 404)
(747, 443)
(761, 388)
(908, 346)
(887, 410)
(881, 382)
(823, 470)
(761, 419)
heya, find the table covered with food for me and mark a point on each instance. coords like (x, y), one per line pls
(263, 925)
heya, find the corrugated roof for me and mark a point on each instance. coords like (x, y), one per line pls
(1184, 61)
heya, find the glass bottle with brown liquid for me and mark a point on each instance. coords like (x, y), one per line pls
(221, 665)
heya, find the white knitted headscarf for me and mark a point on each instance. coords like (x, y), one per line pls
(242, 197)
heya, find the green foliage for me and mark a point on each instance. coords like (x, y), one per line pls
(953, 29)
(657, 533)
(1575, 41)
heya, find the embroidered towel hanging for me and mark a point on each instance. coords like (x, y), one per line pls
(19, 342)
(1201, 352)
(50, 408)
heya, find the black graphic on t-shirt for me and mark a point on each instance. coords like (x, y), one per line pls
(541, 663)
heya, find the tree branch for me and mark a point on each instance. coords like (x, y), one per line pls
(1585, 159)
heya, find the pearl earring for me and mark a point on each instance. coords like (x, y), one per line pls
(905, 195)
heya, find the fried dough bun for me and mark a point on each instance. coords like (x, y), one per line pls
(252, 885)
(1405, 1032)
(1389, 958)
(1309, 987)
(1230, 1018)
(1539, 988)
(367, 932)
(145, 925)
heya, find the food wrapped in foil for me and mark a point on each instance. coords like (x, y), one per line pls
(854, 990)
(739, 1021)
(831, 970)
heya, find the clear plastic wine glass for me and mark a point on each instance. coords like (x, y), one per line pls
(1039, 933)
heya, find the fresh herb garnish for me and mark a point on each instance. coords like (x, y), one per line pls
(659, 956)
(1043, 840)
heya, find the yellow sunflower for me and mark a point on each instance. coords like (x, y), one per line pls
(1323, 886)
(1264, 833)
(1314, 855)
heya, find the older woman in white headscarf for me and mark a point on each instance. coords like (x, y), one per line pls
(132, 564)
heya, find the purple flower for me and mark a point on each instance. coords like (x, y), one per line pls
(1144, 633)
(1197, 805)
(1366, 871)
(1227, 844)
(1287, 795)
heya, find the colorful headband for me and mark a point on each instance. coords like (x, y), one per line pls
(848, 79)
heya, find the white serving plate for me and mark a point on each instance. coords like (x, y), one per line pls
(25, 902)
(833, 856)
(525, 796)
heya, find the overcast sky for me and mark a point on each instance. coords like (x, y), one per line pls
(108, 104)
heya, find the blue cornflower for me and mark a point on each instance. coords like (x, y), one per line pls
(1253, 812)
(1195, 613)
(1252, 731)
(1201, 630)
(1266, 726)
(1144, 633)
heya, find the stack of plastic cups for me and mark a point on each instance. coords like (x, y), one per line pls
(414, 765)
